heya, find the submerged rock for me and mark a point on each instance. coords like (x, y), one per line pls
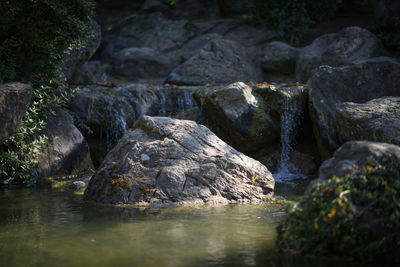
(358, 83)
(164, 160)
(14, 101)
(65, 151)
(219, 61)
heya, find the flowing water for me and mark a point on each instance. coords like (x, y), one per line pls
(51, 228)
(289, 122)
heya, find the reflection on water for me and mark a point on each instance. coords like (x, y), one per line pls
(47, 228)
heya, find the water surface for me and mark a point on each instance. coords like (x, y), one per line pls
(43, 227)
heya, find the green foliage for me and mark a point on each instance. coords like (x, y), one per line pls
(34, 35)
(288, 19)
(355, 216)
(389, 32)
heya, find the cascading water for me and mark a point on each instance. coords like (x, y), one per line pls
(185, 101)
(290, 119)
(116, 126)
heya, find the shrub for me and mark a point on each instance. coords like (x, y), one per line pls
(34, 35)
(355, 216)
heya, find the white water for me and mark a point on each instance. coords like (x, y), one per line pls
(289, 122)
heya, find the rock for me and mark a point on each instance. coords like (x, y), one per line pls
(351, 45)
(376, 120)
(219, 61)
(148, 30)
(248, 119)
(141, 63)
(357, 83)
(91, 72)
(66, 151)
(193, 9)
(186, 163)
(356, 156)
(188, 9)
(14, 101)
(279, 58)
(76, 57)
(107, 114)
(111, 111)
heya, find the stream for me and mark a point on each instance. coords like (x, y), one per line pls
(45, 227)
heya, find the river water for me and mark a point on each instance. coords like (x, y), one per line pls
(44, 227)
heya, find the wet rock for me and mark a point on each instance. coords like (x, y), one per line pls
(248, 118)
(358, 83)
(106, 114)
(376, 120)
(65, 151)
(76, 57)
(110, 111)
(185, 162)
(14, 101)
(348, 46)
(141, 63)
(219, 61)
(356, 156)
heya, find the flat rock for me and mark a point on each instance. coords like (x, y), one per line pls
(164, 160)
(14, 101)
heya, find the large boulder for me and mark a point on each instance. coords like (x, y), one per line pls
(14, 101)
(65, 151)
(376, 120)
(219, 61)
(148, 30)
(358, 83)
(348, 46)
(164, 160)
(78, 55)
(141, 63)
(249, 118)
(356, 156)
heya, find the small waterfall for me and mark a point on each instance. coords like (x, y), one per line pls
(163, 104)
(116, 126)
(290, 119)
(185, 101)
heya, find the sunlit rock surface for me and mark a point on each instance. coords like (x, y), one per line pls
(164, 160)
